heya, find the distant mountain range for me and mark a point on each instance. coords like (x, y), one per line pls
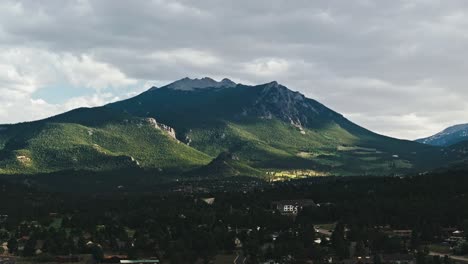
(202, 127)
(450, 136)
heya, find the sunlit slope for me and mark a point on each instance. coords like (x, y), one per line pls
(44, 146)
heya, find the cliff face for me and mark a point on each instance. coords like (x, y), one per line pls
(167, 129)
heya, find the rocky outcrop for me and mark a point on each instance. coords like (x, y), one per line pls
(188, 140)
(23, 159)
(152, 122)
(298, 125)
(167, 129)
(187, 84)
(134, 161)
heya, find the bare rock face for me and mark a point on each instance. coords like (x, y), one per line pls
(277, 101)
(152, 122)
(169, 130)
(134, 161)
(188, 140)
(298, 125)
(23, 159)
(187, 84)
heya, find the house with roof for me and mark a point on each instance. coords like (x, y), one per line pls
(292, 207)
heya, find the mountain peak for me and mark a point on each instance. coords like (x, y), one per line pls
(226, 81)
(273, 83)
(188, 84)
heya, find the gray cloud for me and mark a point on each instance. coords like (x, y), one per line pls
(396, 67)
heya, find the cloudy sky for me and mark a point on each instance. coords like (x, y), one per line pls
(397, 67)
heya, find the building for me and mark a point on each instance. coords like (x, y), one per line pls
(292, 207)
(237, 243)
(7, 260)
(401, 233)
(209, 200)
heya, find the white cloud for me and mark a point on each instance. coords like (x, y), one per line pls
(267, 67)
(185, 56)
(28, 109)
(177, 8)
(88, 101)
(325, 17)
(28, 69)
(24, 71)
(25, 109)
(20, 72)
(84, 71)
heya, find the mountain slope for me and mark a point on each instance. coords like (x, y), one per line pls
(449, 136)
(225, 164)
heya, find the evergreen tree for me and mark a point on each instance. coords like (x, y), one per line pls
(338, 241)
(13, 245)
(29, 248)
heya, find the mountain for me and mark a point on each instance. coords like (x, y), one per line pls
(449, 136)
(189, 126)
(279, 131)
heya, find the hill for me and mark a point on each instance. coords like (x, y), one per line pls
(92, 139)
(450, 136)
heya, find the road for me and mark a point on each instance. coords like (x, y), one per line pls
(457, 258)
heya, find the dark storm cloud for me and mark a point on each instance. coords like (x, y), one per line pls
(397, 67)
